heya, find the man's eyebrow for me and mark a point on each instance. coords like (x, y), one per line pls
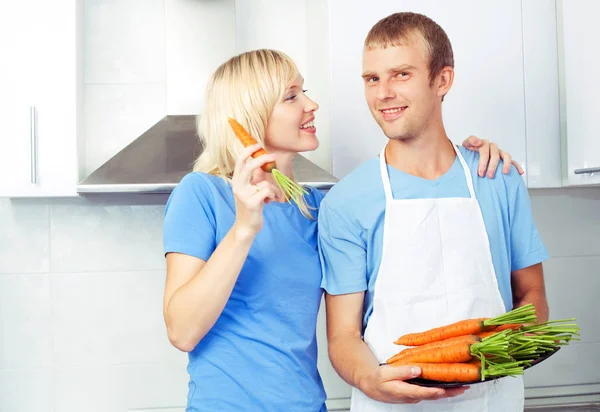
(367, 75)
(402, 68)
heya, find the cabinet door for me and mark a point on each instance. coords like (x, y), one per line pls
(580, 107)
(38, 141)
(16, 99)
(487, 98)
(540, 53)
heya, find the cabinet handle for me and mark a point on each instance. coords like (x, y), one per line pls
(587, 170)
(33, 137)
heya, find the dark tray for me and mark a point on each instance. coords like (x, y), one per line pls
(445, 385)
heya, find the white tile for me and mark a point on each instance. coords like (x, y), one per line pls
(120, 388)
(572, 286)
(25, 322)
(26, 390)
(152, 386)
(269, 24)
(568, 220)
(110, 319)
(24, 239)
(89, 235)
(115, 115)
(200, 35)
(124, 41)
(572, 365)
(335, 387)
(89, 389)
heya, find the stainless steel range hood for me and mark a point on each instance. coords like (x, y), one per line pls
(156, 161)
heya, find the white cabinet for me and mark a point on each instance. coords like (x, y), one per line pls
(540, 73)
(579, 63)
(40, 99)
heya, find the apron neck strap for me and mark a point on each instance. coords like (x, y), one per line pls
(385, 178)
(466, 170)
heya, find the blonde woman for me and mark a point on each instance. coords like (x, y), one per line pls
(243, 273)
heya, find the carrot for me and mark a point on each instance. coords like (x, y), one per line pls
(437, 345)
(511, 326)
(463, 327)
(500, 328)
(468, 327)
(471, 371)
(453, 353)
(248, 140)
(290, 189)
(483, 335)
(459, 351)
(449, 372)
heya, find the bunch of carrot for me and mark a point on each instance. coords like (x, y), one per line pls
(473, 349)
(290, 189)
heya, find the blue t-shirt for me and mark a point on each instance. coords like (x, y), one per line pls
(261, 354)
(352, 214)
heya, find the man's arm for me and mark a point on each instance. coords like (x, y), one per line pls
(528, 287)
(356, 364)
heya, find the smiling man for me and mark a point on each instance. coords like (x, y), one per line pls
(413, 239)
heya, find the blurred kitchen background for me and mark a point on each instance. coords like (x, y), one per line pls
(82, 273)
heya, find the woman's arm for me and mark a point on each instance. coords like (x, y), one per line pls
(196, 291)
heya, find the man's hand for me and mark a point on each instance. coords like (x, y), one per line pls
(386, 384)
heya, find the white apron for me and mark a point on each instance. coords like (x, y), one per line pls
(436, 268)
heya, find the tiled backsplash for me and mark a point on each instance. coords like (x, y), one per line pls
(145, 59)
(81, 284)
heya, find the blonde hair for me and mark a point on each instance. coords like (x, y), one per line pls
(246, 88)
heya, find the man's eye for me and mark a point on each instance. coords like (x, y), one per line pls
(373, 79)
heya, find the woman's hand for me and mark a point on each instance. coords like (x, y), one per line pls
(489, 156)
(250, 198)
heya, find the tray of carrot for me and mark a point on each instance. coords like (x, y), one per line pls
(479, 350)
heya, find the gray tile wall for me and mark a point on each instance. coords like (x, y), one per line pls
(81, 320)
(81, 284)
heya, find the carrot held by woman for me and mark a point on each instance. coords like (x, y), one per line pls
(290, 189)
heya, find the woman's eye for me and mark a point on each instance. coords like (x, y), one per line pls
(292, 97)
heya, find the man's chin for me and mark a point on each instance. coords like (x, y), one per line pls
(395, 134)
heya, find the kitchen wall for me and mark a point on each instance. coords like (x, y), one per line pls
(148, 58)
(145, 59)
(81, 287)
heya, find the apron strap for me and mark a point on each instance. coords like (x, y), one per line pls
(385, 178)
(467, 171)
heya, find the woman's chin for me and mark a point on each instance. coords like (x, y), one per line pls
(310, 146)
